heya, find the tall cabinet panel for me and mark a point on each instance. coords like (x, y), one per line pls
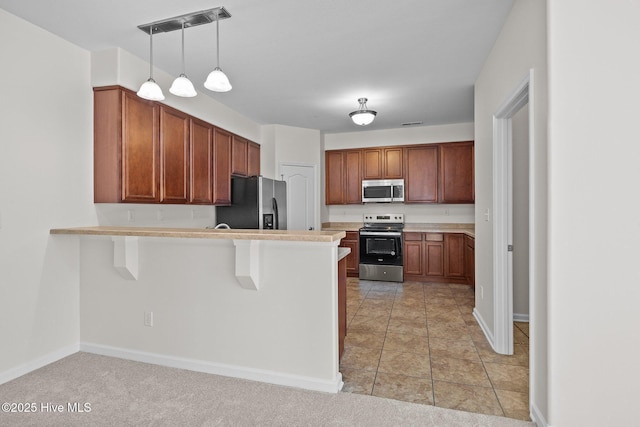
(222, 167)
(140, 150)
(334, 178)
(174, 156)
(353, 177)
(201, 157)
(457, 170)
(421, 174)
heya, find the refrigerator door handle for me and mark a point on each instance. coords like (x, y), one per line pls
(276, 220)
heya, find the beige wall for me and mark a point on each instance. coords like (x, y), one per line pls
(521, 46)
(594, 220)
(45, 182)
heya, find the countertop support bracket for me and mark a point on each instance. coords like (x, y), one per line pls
(125, 256)
(248, 263)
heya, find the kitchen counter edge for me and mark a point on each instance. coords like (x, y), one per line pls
(196, 233)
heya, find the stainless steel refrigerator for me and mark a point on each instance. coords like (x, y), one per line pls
(256, 203)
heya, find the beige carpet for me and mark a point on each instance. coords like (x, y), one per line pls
(123, 393)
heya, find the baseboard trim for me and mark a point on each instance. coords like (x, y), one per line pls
(38, 363)
(518, 317)
(265, 376)
(484, 327)
(537, 417)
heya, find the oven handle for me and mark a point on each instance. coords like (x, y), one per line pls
(380, 234)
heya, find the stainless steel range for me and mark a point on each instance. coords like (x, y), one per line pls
(381, 247)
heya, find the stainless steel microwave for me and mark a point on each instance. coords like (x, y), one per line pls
(382, 190)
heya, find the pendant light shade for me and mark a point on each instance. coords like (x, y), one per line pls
(217, 80)
(150, 89)
(362, 116)
(182, 86)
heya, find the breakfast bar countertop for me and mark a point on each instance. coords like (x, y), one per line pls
(197, 233)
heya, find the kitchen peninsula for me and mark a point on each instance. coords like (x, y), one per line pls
(254, 304)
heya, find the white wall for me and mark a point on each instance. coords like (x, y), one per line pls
(414, 213)
(594, 282)
(45, 182)
(521, 46)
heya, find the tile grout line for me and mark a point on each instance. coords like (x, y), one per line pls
(375, 377)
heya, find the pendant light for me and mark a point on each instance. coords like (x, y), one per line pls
(362, 116)
(217, 81)
(150, 89)
(182, 86)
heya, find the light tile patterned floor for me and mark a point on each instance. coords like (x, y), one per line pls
(419, 342)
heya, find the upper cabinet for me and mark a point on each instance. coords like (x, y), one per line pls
(457, 172)
(421, 174)
(433, 173)
(147, 152)
(382, 163)
(343, 171)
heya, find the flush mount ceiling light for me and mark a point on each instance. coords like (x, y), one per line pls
(217, 81)
(150, 89)
(182, 86)
(362, 116)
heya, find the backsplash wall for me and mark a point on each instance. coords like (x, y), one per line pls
(414, 213)
(155, 215)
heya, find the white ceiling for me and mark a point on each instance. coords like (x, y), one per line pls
(305, 62)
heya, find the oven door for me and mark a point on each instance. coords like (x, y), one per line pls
(381, 247)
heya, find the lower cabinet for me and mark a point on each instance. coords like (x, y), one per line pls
(351, 241)
(470, 260)
(435, 257)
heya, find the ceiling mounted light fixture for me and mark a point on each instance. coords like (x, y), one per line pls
(150, 89)
(362, 116)
(217, 81)
(182, 86)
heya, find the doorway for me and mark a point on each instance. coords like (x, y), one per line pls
(302, 212)
(503, 207)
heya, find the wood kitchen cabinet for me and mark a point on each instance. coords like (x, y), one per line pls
(470, 260)
(201, 159)
(222, 141)
(421, 174)
(175, 164)
(126, 147)
(253, 159)
(343, 177)
(351, 241)
(434, 257)
(456, 173)
(454, 255)
(382, 163)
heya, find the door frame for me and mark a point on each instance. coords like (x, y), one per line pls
(503, 213)
(316, 200)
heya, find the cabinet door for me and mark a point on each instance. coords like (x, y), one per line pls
(393, 160)
(469, 260)
(372, 163)
(456, 172)
(334, 178)
(140, 150)
(434, 254)
(239, 155)
(351, 241)
(174, 156)
(353, 177)
(201, 157)
(253, 159)
(413, 258)
(221, 167)
(454, 255)
(421, 174)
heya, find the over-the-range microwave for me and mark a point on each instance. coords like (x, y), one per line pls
(382, 190)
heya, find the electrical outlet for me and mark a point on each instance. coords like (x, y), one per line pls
(131, 216)
(148, 318)
(160, 215)
(446, 212)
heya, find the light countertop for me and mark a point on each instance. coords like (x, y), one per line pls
(197, 233)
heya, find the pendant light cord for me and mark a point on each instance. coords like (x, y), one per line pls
(217, 41)
(151, 52)
(183, 67)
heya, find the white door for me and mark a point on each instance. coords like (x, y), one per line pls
(301, 195)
